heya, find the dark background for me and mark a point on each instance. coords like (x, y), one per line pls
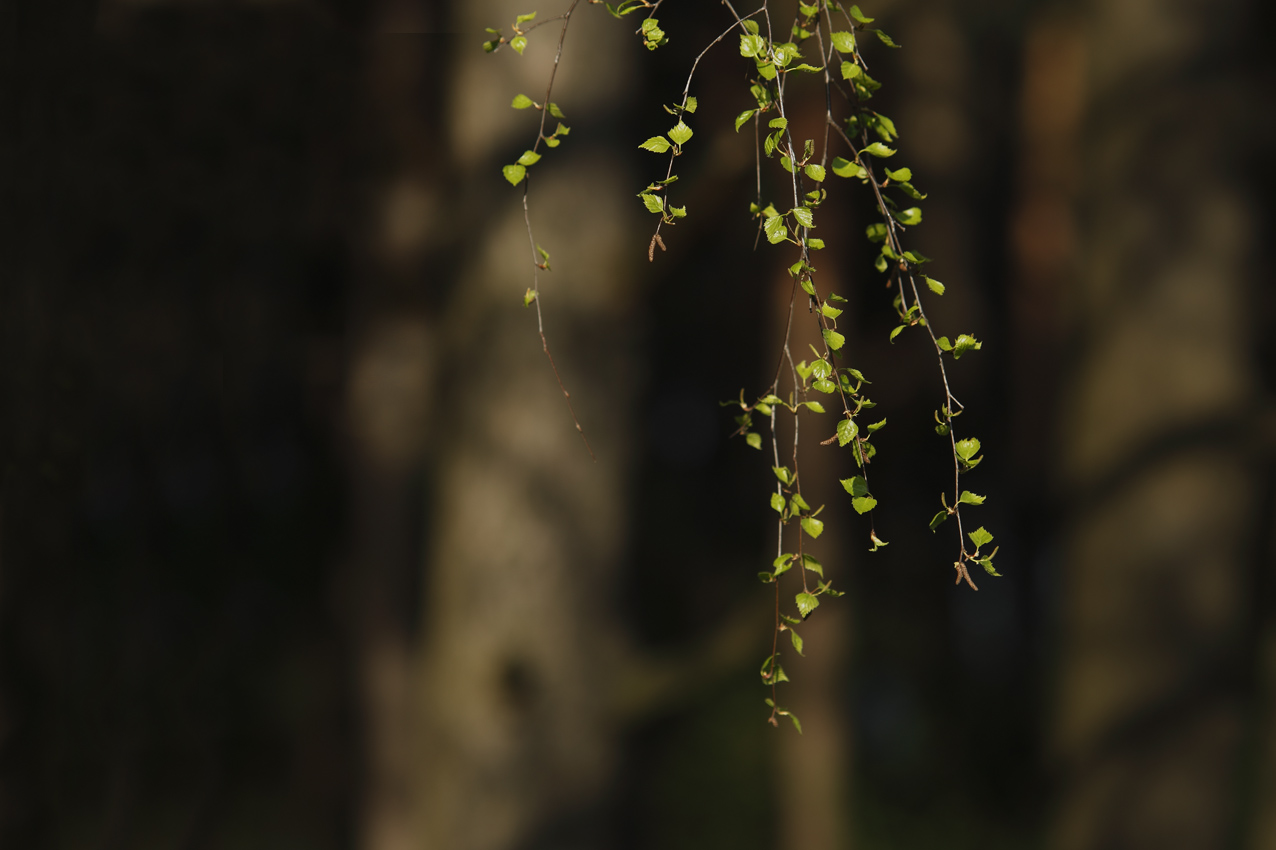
(210, 538)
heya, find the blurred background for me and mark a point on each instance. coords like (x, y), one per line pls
(298, 545)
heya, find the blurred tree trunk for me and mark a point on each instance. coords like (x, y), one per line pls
(515, 745)
(1159, 437)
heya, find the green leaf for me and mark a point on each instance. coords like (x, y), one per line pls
(970, 498)
(910, 216)
(806, 603)
(754, 439)
(522, 101)
(678, 212)
(847, 430)
(787, 164)
(692, 105)
(833, 339)
(917, 258)
(555, 111)
(812, 526)
(863, 504)
(778, 123)
(518, 42)
(489, 46)
(935, 286)
(886, 39)
(859, 16)
(656, 144)
(521, 18)
(751, 45)
(529, 158)
(829, 310)
(514, 174)
(966, 449)
(938, 519)
(902, 175)
(821, 368)
(805, 67)
(797, 642)
(897, 331)
(825, 386)
(876, 426)
(743, 118)
(775, 229)
(878, 149)
(680, 133)
(815, 245)
(804, 216)
(980, 536)
(529, 297)
(846, 168)
(814, 406)
(876, 232)
(844, 42)
(813, 565)
(944, 344)
(777, 503)
(782, 564)
(965, 343)
(986, 563)
(796, 723)
(782, 473)
(855, 485)
(850, 70)
(653, 203)
(815, 172)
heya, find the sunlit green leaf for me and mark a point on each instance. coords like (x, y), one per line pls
(850, 70)
(863, 504)
(855, 485)
(833, 339)
(777, 503)
(812, 526)
(743, 118)
(938, 519)
(830, 311)
(529, 158)
(806, 603)
(970, 498)
(897, 331)
(522, 101)
(815, 172)
(935, 286)
(680, 133)
(775, 229)
(656, 144)
(521, 18)
(692, 105)
(843, 41)
(653, 203)
(859, 16)
(754, 439)
(813, 565)
(966, 449)
(846, 168)
(796, 640)
(751, 45)
(804, 216)
(847, 431)
(901, 175)
(980, 536)
(878, 149)
(782, 473)
(518, 42)
(514, 174)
